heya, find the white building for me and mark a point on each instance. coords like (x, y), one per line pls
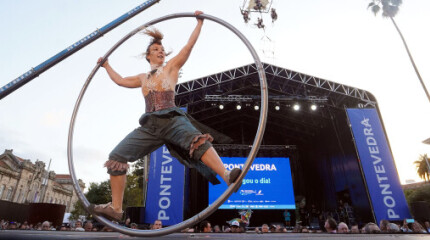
(21, 181)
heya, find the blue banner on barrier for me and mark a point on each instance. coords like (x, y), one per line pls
(378, 166)
(165, 194)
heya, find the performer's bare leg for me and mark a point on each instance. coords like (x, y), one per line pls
(117, 185)
(113, 210)
(211, 159)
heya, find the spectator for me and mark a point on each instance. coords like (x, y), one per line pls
(13, 226)
(88, 227)
(342, 228)
(127, 223)
(133, 226)
(330, 225)
(24, 226)
(78, 226)
(355, 229)
(371, 228)
(205, 227)
(383, 225)
(235, 227)
(107, 229)
(405, 228)
(272, 228)
(427, 226)
(157, 225)
(417, 227)
(393, 228)
(46, 226)
(287, 217)
(264, 229)
(217, 229)
(297, 228)
(95, 229)
(63, 228)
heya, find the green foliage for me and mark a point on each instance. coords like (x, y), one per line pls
(422, 167)
(417, 194)
(390, 8)
(133, 194)
(78, 210)
(99, 193)
(138, 170)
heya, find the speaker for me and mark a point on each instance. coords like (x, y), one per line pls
(136, 214)
(420, 210)
(40, 212)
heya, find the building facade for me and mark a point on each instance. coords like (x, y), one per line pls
(22, 181)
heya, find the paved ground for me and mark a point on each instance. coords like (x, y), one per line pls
(39, 235)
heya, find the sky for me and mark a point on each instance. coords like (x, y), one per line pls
(336, 40)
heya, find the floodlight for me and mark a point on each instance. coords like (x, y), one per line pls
(314, 107)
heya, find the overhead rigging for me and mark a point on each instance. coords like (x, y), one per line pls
(259, 7)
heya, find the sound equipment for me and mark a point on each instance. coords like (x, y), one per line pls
(420, 210)
(136, 214)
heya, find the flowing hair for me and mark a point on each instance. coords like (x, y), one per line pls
(156, 37)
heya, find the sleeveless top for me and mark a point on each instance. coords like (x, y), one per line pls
(155, 100)
(160, 94)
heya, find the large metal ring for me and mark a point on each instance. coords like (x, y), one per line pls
(256, 144)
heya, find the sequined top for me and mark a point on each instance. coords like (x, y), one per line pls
(160, 93)
(156, 100)
(161, 84)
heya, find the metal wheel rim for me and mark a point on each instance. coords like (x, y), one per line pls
(251, 156)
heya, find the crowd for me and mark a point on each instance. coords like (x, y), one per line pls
(330, 226)
(78, 225)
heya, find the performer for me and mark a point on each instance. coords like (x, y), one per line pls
(163, 123)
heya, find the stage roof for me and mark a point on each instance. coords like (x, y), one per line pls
(285, 126)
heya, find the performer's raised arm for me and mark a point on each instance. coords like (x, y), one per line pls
(128, 82)
(179, 60)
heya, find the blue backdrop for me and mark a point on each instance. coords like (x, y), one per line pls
(267, 185)
(380, 173)
(165, 194)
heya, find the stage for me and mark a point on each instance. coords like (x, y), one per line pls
(51, 235)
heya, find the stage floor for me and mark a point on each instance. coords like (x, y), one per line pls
(51, 235)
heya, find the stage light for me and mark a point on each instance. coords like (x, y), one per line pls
(277, 108)
(238, 107)
(221, 107)
(256, 107)
(313, 107)
(296, 107)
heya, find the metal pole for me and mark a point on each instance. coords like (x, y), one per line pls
(45, 181)
(145, 177)
(36, 71)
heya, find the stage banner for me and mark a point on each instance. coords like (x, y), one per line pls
(381, 176)
(165, 195)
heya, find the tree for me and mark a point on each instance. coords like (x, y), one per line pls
(100, 193)
(422, 166)
(78, 210)
(133, 194)
(417, 194)
(390, 8)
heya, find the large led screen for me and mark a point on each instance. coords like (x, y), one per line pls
(267, 185)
